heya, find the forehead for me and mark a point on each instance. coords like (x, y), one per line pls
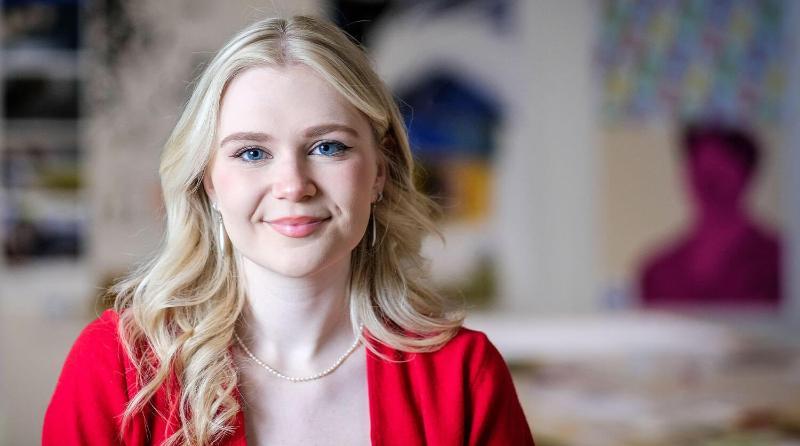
(282, 98)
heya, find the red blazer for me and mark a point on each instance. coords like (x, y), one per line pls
(461, 394)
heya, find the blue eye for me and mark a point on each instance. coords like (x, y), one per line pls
(330, 148)
(252, 154)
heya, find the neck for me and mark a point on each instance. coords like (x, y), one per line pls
(720, 220)
(297, 325)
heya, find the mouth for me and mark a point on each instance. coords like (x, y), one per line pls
(297, 227)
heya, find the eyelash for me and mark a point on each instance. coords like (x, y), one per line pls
(341, 146)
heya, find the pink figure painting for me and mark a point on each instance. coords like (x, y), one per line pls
(725, 258)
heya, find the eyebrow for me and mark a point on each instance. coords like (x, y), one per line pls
(311, 132)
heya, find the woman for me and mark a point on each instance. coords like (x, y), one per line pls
(287, 304)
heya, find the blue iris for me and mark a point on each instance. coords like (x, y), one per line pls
(329, 148)
(254, 154)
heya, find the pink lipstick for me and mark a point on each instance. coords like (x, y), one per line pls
(297, 227)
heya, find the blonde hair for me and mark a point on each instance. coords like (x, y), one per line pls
(178, 312)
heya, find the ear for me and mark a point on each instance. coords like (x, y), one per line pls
(387, 145)
(208, 186)
(380, 179)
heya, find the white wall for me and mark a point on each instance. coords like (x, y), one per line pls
(548, 178)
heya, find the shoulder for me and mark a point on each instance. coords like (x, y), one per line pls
(666, 256)
(92, 389)
(478, 353)
(763, 239)
(468, 345)
(97, 353)
(468, 355)
(461, 393)
(97, 349)
(99, 337)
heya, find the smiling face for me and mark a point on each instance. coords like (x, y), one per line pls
(294, 171)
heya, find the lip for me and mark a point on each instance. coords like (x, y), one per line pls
(297, 226)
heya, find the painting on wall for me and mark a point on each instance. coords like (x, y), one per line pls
(693, 237)
(682, 59)
(451, 126)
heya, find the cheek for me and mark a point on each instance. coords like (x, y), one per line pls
(357, 180)
(349, 189)
(223, 183)
(234, 191)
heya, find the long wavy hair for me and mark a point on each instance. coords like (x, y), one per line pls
(178, 311)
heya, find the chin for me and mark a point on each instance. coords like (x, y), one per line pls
(289, 268)
(295, 267)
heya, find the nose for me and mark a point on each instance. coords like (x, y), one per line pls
(291, 181)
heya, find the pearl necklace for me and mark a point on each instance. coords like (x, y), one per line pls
(294, 379)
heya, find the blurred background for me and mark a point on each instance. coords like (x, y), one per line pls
(620, 179)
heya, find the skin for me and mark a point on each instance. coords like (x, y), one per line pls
(289, 144)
